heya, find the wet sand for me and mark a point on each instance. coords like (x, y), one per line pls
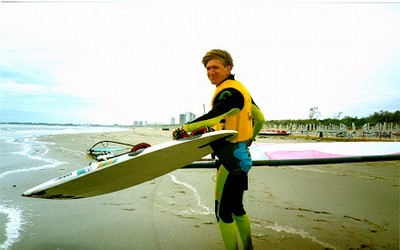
(333, 206)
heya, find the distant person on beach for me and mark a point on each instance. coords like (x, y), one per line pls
(232, 109)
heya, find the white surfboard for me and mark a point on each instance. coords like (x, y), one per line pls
(268, 154)
(324, 153)
(128, 170)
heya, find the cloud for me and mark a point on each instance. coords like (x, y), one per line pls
(120, 62)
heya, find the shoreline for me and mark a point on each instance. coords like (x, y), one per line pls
(290, 207)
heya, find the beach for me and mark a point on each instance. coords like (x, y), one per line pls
(331, 206)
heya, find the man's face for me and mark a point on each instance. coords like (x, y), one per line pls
(217, 72)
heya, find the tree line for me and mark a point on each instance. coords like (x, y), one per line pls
(380, 117)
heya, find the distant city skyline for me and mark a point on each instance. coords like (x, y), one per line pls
(183, 118)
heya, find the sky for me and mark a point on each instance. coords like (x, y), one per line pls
(105, 62)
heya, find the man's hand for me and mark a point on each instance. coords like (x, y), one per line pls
(179, 133)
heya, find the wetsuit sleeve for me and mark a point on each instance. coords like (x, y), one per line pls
(258, 119)
(227, 102)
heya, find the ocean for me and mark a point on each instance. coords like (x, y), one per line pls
(21, 154)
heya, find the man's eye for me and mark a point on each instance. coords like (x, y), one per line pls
(212, 68)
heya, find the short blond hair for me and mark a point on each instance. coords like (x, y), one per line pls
(223, 55)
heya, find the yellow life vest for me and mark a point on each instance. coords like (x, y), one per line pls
(240, 121)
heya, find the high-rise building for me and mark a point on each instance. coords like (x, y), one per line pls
(184, 118)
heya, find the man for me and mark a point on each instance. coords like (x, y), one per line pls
(232, 109)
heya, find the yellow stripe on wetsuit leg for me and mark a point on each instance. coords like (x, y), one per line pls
(229, 235)
(244, 228)
(241, 224)
(228, 230)
(222, 175)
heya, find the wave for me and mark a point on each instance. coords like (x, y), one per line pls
(302, 233)
(13, 226)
